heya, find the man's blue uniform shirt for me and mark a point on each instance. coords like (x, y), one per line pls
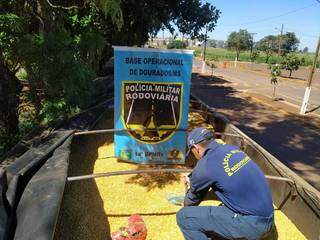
(236, 180)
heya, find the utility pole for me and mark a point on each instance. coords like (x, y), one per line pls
(251, 47)
(204, 51)
(163, 41)
(280, 40)
(308, 88)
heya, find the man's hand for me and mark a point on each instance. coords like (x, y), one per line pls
(186, 182)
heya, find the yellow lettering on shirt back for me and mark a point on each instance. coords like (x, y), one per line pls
(237, 166)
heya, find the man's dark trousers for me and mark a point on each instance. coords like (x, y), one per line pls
(200, 222)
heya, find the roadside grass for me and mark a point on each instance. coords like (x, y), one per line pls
(220, 54)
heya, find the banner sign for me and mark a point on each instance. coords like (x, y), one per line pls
(151, 104)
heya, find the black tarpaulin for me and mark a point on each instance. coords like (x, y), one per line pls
(45, 153)
(18, 174)
(42, 197)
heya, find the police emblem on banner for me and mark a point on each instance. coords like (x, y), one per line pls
(151, 111)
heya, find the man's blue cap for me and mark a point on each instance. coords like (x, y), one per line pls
(198, 135)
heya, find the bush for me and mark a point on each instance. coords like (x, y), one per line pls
(56, 109)
(275, 70)
(177, 44)
(53, 66)
(255, 54)
(6, 142)
(291, 63)
(27, 113)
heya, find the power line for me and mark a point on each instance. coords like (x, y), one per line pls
(307, 35)
(273, 17)
(302, 33)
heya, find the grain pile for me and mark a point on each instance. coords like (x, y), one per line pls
(92, 209)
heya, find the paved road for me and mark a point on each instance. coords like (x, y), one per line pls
(287, 90)
(300, 75)
(292, 138)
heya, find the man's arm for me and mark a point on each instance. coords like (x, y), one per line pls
(200, 184)
(194, 198)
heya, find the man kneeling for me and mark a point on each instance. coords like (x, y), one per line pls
(247, 210)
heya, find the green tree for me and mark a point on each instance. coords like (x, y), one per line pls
(176, 44)
(212, 43)
(221, 44)
(27, 30)
(192, 16)
(143, 19)
(268, 45)
(62, 46)
(291, 63)
(255, 54)
(239, 41)
(10, 86)
(275, 73)
(289, 43)
(52, 65)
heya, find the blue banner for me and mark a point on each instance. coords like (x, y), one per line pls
(151, 104)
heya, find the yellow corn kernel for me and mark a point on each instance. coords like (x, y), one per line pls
(91, 209)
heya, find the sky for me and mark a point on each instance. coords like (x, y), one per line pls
(264, 17)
